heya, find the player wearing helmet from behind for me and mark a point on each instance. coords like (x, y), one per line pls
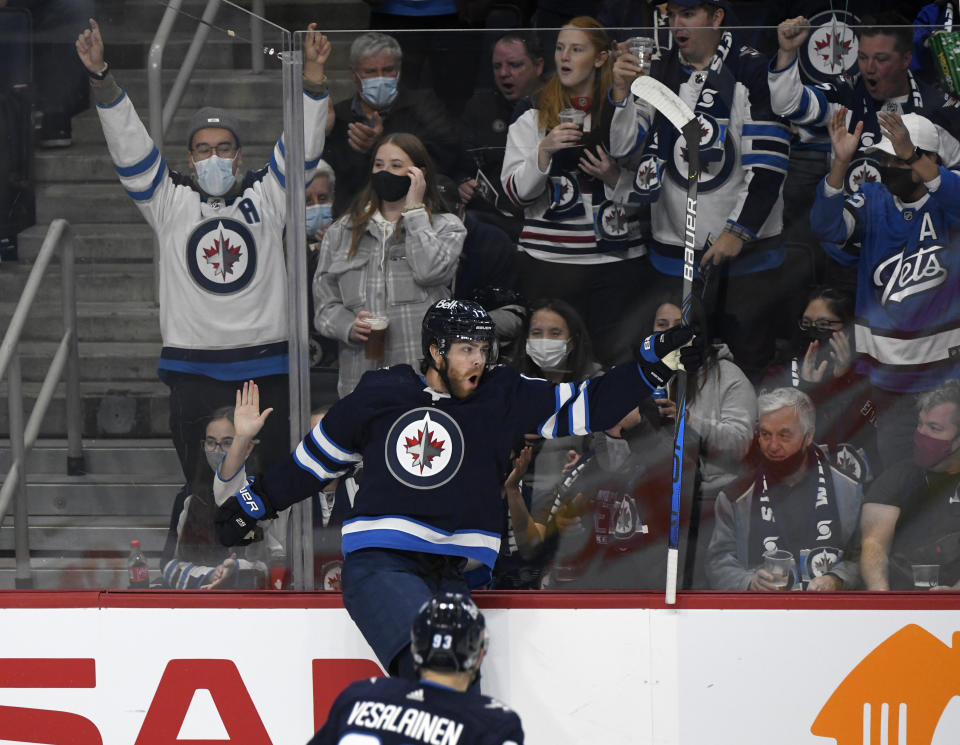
(436, 449)
(448, 641)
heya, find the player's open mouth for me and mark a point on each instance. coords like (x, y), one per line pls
(474, 380)
(565, 70)
(871, 82)
(506, 87)
(681, 37)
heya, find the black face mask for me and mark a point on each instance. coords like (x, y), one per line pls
(389, 186)
(814, 334)
(778, 470)
(899, 182)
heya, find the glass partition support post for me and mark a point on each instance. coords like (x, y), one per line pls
(296, 244)
(256, 36)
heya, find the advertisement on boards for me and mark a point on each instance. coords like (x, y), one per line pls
(630, 676)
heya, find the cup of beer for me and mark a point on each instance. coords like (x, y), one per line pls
(642, 47)
(573, 116)
(375, 346)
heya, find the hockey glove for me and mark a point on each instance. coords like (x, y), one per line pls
(236, 519)
(662, 354)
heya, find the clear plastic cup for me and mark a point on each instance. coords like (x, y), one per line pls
(642, 47)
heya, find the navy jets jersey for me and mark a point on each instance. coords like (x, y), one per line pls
(397, 711)
(434, 465)
(908, 278)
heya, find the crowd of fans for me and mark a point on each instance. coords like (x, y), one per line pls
(829, 312)
(823, 302)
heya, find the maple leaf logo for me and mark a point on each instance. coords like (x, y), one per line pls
(423, 448)
(222, 256)
(613, 220)
(864, 175)
(836, 48)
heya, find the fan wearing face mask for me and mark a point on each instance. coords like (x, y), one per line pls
(911, 515)
(554, 344)
(382, 104)
(900, 236)
(193, 558)
(219, 231)
(822, 366)
(393, 254)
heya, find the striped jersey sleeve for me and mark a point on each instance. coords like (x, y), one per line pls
(555, 410)
(801, 104)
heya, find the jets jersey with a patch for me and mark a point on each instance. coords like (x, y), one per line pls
(223, 291)
(908, 278)
(398, 711)
(810, 107)
(433, 465)
(744, 150)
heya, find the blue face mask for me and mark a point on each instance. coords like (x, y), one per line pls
(318, 217)
(215, 175)
(379, 92)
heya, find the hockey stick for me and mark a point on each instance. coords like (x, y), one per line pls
(680, 116)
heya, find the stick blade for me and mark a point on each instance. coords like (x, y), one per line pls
(663, 100)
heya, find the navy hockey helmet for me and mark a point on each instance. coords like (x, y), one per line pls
(450, 321)
(448, 634)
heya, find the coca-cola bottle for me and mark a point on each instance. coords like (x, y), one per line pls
(139, 572)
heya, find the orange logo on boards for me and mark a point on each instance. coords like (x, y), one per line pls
(896, 694)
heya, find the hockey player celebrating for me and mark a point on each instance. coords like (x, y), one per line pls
(435, 448)
(447, 641)
(900, 235)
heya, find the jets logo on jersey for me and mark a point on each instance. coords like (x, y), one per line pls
(611, 221)
(566, 193)
(902, 275)
(424, 448)
(831, 48)
(222, 255)
(861, 171)
(820, 560)
(646, 178)
(717, 154)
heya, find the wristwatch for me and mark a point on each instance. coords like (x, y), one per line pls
(913, 158)
(102, 74)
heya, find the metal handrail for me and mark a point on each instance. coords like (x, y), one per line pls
(59, 238)
(161, 114)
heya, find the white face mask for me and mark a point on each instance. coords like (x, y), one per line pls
(215, 174)
(548, 354)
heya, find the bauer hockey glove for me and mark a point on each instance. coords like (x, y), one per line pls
(662, 354)
(236, 519)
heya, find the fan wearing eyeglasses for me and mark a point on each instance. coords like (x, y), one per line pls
(822, 367)
(219, 231)
(193, 559)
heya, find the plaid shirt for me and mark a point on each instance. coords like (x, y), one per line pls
(399, 278)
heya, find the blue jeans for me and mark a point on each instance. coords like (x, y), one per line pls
(383, 591)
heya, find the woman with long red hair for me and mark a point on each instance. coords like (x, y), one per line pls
(581, 242)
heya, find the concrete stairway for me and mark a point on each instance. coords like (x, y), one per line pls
(81, 526)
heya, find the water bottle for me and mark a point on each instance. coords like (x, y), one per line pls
(139, 572)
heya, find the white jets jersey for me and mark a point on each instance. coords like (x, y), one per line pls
(223, 289)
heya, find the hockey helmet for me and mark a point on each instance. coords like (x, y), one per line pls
(449, 321)
(448, 634)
